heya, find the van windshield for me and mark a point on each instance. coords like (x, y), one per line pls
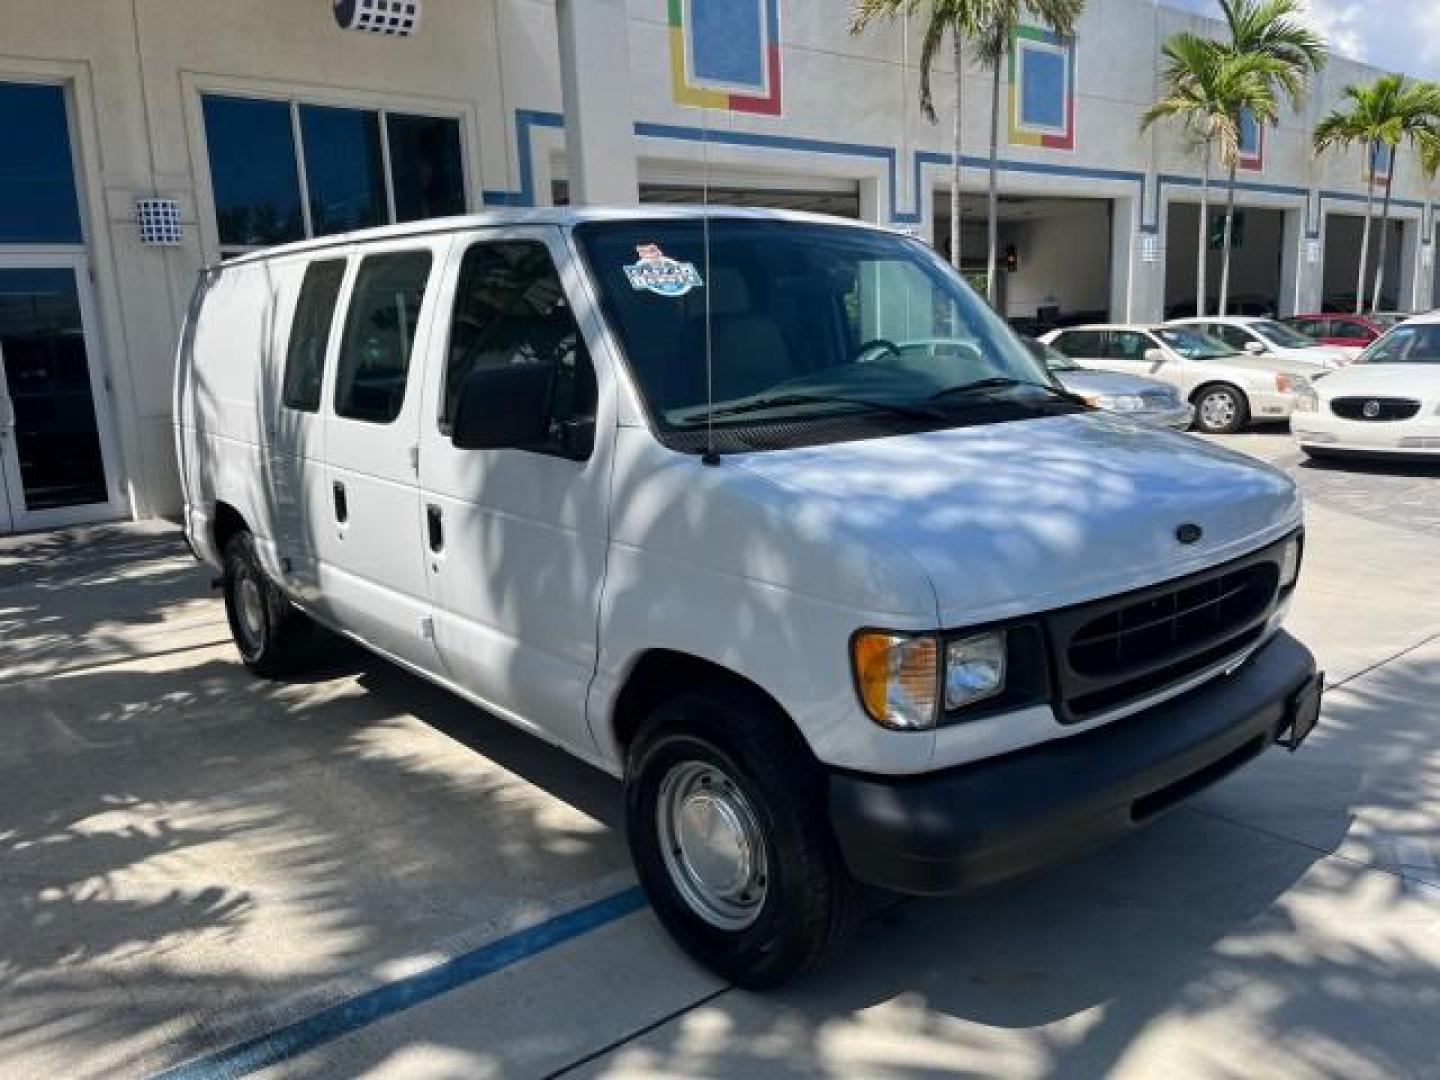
(808, 322)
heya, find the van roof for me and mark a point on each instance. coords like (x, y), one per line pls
(560, 216)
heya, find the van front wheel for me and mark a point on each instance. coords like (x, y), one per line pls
(727, 827)
(273, 636)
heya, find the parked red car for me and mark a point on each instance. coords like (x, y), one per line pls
(1351, 332)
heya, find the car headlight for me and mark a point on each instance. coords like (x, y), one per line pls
(1307, 400)
(897, 677)
(974, 669)
(1116, 402)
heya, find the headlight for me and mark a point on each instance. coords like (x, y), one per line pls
(1307, 400)
(897, 677)
(1117, 402)
(974, 669)
(1290, 563)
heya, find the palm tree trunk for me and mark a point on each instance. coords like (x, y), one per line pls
(1202, 270)
(992, 261)
(1224, 307)
(955, 167)
(1384, 237)
(1365, 240)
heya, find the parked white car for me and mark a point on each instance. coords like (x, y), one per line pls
(1268, 338)
(683, 497)
(1387, 403)
(1228, 389)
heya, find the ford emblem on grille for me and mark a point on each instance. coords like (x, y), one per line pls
(1189, 533)
(1371, 410)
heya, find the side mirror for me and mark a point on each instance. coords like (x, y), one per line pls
(1155, 357)
(1254, 348)
(504, 408)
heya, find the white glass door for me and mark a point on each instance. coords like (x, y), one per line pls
(56, 441)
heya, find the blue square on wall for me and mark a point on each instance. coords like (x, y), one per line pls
(727, 42)
(1043, 88)
(1249, 135)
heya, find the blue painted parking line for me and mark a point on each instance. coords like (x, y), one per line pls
(364, 1010)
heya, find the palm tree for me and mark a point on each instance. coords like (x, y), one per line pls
(1209, 89)
(1273, 30)
(1386, 113)
(960, 19)
(1000, 22)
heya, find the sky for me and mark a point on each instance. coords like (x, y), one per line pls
(1399, 35)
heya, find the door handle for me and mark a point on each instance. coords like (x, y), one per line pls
(435, 526)
(342, 505)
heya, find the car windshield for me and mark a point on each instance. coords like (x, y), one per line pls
(806, 322)
(1406, 344)
(1194, 344)
(1278, 333)
(1050, 356)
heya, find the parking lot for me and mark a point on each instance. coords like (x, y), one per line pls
(356, 872)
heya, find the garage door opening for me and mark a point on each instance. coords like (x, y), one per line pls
(1343, 236)
(840, 199)
(1256, 255)
(1054, 261)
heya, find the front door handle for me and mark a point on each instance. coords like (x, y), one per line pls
(342, 505)
(435, 526)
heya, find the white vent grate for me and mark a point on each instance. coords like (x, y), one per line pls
(159, 222)
(396, 18)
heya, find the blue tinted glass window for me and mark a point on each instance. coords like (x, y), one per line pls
(426, 162)
(727, 42)
(345, 168)
(38, 204)
(252, 168)
(1380, 159)
(1043, 88)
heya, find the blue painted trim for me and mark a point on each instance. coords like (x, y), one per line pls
(364, 1010)
(1150, 206)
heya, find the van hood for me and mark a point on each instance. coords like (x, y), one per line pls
(1014, 518)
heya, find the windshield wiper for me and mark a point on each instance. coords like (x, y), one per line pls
(780, 401)
(1001, 382)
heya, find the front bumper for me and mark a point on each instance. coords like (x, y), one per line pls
(965, 828)
(1325, 431)
(1180, 419)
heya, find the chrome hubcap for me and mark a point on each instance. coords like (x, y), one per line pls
(712, 845)
(1218, 410)
(250, 607)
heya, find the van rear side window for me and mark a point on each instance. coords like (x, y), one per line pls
(310, 334)
(380, 336)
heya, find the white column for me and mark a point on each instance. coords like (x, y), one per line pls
(1294, 271)
(595, 84)
(1129, 275)
(1408, 294)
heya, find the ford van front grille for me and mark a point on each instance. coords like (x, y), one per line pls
(1117, 651)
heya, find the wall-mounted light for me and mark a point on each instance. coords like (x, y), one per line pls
(159, 222)
(395, 18)
(1312, 252)
(1012, 259)
(1149, 248)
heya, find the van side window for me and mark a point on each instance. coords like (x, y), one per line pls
(310, 334)
(380, 336)
(510, 308)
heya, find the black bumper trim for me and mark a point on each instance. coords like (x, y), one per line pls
(969, 827)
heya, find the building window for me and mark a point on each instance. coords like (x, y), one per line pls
(1252, 142)
(38, 202)
(428, 168)
(285, 171)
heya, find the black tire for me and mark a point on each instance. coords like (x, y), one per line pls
(809, 902)
(1228, 412)
(273, 636)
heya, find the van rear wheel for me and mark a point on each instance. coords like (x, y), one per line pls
(273, 636)
(726, 819)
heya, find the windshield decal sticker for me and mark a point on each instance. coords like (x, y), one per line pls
(656, 272)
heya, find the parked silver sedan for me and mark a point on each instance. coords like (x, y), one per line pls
(1144, 399)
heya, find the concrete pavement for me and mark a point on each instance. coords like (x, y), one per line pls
(189, 859)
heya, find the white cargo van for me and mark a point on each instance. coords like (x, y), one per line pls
(765, 514)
